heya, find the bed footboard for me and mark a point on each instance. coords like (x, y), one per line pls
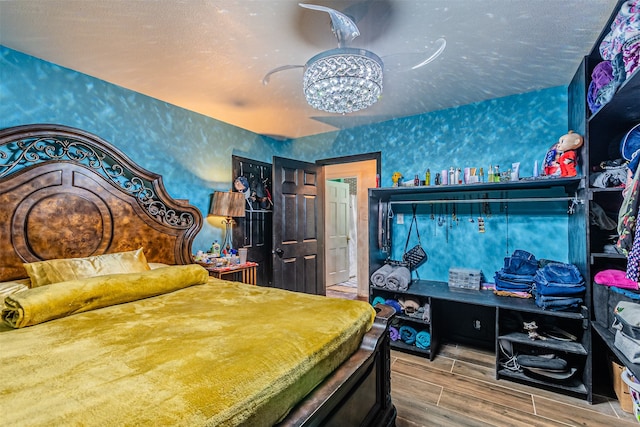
(358, 393)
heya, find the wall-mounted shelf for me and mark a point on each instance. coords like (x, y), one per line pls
(569, 185)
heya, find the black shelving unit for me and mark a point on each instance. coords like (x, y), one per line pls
(492, 310)
(603, 131)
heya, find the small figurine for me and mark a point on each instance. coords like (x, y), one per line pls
(397, 179)
(561, 158)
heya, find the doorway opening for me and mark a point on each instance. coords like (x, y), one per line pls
(360, 173)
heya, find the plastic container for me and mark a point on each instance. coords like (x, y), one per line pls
(634, 390)
(464, 278)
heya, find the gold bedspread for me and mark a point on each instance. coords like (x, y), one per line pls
(221, 353)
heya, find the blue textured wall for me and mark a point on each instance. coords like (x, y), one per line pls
(518, 128)
(193, 152)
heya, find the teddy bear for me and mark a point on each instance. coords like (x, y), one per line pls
(567, 146)
(561, 158)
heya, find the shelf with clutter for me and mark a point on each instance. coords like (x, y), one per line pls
(472, 275)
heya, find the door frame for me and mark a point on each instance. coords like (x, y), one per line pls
(362, 246)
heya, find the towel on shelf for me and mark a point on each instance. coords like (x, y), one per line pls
(393, 303)
(377, 300)
(426, 313)
(409, 305)
(394, 334)
(408, 334)
(423, 340)
(399, 279)
(379, 277)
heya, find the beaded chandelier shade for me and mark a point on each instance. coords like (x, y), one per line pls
(343, 80)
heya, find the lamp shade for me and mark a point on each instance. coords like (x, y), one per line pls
(227, 204)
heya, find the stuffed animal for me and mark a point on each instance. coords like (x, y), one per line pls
(567, 146)
(561, 158)
(396, 178)
(241, 184)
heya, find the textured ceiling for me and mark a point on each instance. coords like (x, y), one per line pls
(210, 56)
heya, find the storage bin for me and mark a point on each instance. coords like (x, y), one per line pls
(620, 387)
(634, 390)
(601, 305)
(465, 278)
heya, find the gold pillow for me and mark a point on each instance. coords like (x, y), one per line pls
(10, 288)
(60, 270)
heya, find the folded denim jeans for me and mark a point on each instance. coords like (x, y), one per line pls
(521, 262)
(557, 303)
(504, 285)
(518, 278)
(558, 272)
(559, 289)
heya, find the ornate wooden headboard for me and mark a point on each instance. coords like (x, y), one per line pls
(66, 193)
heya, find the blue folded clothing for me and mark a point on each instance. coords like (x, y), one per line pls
(559, 273)
(423, 340)
(507, 285)
(560, 290)
(408, 334)
(521, 262)
(557, 303)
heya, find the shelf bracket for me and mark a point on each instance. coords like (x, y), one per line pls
(574, 202)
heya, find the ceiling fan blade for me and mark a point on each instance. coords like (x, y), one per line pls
(343, 27)
(413, 60)
(266, 78)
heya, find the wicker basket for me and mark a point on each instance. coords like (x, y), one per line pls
(465, 278)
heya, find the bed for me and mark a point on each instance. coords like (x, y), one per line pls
(106, 320)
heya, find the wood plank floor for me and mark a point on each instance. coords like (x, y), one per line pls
(458, 388)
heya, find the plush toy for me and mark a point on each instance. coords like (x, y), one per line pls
(241, 184)
(396, 178)
(561, 158)
(567, 146)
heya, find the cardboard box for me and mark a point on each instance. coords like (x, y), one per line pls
(621, 389)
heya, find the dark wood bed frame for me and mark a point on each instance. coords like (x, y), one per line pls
(66, 193)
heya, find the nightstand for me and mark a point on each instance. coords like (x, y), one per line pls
(245, 273)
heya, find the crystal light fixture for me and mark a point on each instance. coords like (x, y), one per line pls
(343, 80)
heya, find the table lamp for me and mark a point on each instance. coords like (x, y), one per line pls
(227, 204)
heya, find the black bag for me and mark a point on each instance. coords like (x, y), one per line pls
(415, 256)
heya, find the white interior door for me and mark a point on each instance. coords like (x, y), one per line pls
(337, 232)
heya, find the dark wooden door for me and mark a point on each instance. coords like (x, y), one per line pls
(297, 226)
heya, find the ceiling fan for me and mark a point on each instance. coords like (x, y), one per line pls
(346, 79)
